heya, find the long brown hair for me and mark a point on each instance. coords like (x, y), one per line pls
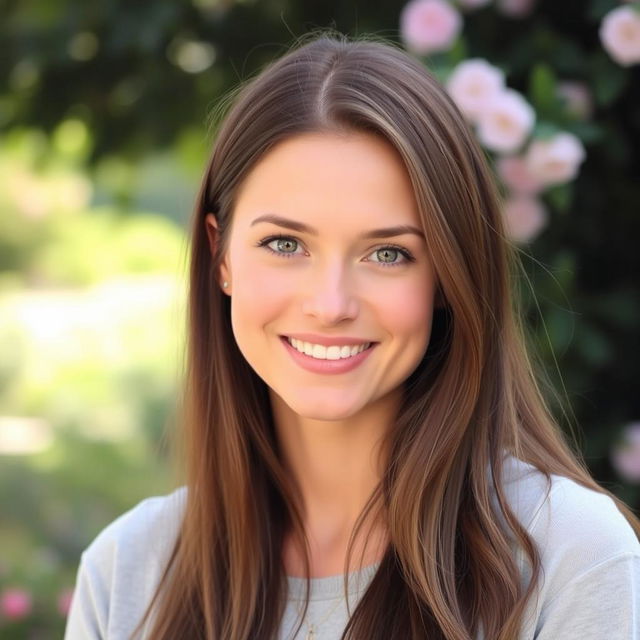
(449, 569)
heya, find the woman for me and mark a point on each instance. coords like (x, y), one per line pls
(358, 388)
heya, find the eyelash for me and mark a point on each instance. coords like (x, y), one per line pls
(404, 252)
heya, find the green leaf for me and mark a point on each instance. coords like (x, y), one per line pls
(594, 347)
(560, 197)
(608, 79)
(588, 132)
(544, 130)
(564, 269)
(440, 65)
(542, 88)
(458, 52)
(560, 325)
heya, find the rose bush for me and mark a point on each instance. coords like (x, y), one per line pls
(555, 107)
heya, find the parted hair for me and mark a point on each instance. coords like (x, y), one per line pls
(449, 570)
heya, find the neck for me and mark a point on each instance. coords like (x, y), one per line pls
(336, 466)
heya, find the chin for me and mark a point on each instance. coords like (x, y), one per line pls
(324, 409)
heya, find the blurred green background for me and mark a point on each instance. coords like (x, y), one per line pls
(104, 131)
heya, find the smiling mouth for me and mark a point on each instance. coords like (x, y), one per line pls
(332, 352)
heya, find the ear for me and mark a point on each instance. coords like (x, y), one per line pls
(211, 225)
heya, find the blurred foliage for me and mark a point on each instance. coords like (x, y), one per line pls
(91, 337)
(103, 136)
(140, 73)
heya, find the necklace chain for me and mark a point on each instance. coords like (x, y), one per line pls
(311, 627)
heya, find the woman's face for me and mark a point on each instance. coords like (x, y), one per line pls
(326, 247)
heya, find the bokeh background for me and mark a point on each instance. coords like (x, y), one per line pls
(104, 131)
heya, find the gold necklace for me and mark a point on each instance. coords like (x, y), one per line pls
(311, 628)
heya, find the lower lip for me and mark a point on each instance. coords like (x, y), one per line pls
(315, 365)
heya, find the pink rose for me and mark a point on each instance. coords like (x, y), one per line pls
(506, 122)
(429, 25)
(577, 98)
(625, 457)
(473, 84)
(555, 160)
(620, 35)
(15, 603)
(64, 601)
(524, 217)
(515, 8)
(515, 174)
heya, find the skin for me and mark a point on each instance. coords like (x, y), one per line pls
(335, 283)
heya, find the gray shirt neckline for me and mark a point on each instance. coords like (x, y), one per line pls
(330, 587)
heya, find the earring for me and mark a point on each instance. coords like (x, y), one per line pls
(225, 284)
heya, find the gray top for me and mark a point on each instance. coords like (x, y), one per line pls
(590, 556)
(327, 611)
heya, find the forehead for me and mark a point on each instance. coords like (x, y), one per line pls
(330, 179)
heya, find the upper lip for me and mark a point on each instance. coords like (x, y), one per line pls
(327, 341)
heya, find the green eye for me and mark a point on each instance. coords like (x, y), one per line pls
(386, 256)
(286, 245)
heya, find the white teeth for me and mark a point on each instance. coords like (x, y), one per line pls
(321, 352)
(333, 353)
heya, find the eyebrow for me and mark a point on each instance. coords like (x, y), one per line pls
(301, 227)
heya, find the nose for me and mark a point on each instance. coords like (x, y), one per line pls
(330, 296)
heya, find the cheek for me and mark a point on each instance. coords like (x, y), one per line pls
(408, 309)
(258, 298)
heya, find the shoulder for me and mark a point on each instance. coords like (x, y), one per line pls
(576, 529)
(147, 530)
(565, 511)
(127, 557)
